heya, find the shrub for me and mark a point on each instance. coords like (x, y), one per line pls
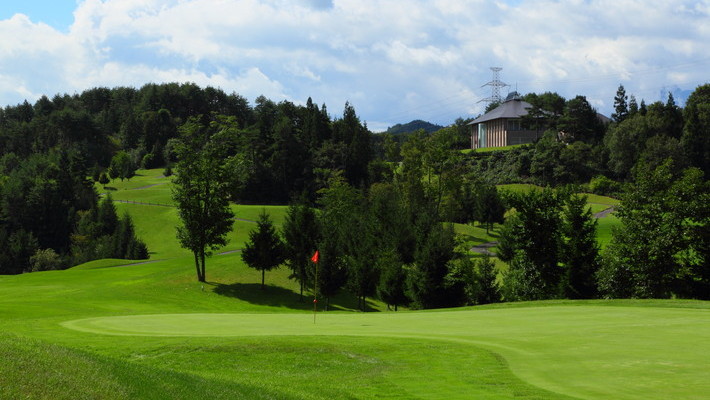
(604, 186)
(45, 260)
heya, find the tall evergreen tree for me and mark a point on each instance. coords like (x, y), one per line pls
(489, 206)
(633, 106)
(427, 279)
(621, 108)
(264, 250)
(486, 277)
(580, 251)
(391, 287)
(301, 236)
(340, 204)
(696, 132)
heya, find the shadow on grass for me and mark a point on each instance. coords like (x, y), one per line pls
(277, 296)
(273, 296)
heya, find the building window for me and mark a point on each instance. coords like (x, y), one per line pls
(514, 125)
(481, 136)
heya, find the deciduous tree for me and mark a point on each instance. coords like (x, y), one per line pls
(200, 191)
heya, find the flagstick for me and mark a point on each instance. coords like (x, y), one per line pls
(315, 294)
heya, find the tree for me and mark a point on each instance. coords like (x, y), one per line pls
(530, 242)
(200, 191)
(427, 279)
(356, 138)
(633, 106)
(486, 277)
(301, 235)
(672, 207)
(621, 109)
(122, 166)
(625, 141)
(580, 251)
(264, 250)
(489, 206)
(337, 227)
(125, 243)
(103, 178)
(696, 132)
(580, 122)
(393, 278)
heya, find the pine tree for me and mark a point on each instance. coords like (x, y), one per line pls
(621, 110)
(486, 277)
(633, 106)
(301, 236)
(264, 250)
(580, 251)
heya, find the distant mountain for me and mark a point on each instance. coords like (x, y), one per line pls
(413, 126)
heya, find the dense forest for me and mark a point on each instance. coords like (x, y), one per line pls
(385, 202)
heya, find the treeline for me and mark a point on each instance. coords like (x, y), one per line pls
(384, 201)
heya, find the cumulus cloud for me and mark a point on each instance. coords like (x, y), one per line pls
(394, 61)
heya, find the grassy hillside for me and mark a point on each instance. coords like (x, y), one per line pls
(113, 329)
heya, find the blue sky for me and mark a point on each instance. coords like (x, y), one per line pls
(395, 61)
(56, 13)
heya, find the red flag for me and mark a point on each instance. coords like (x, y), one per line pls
(315, 257)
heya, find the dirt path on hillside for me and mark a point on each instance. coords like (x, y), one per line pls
(485, 248)
(149, 186)
(605, 212)
(130, 265)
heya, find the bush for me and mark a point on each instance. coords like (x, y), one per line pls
(147, 161)
(45, 260)
(604, 186)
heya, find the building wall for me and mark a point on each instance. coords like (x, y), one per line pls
(523, 137)
(489, 134)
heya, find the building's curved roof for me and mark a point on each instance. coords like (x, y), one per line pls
(513, 108)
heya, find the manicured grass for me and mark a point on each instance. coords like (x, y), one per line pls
(143, 178)
(597, 199)
(105, 327)
(475, 234)
(519, 187)
(551, 346)
(117, 329)
(604, 229)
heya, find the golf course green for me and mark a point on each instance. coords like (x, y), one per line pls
(116, 329)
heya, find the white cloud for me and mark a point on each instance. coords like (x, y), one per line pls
(395, 61)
